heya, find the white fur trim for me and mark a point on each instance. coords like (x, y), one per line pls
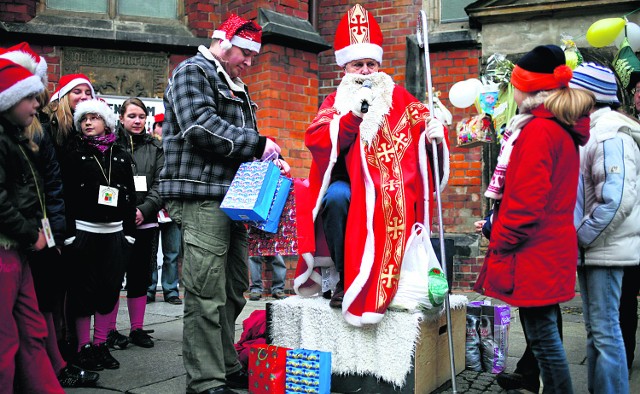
(95, 107)
(235, 40)
(300, 280)
(21, 89)
(357, 52)
(27, 61)
(368, 254)
(69, 87)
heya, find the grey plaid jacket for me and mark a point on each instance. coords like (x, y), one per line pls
(209, 130)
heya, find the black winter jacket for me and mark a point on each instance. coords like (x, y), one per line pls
(49, 168)
(20, 210)
(83, 177)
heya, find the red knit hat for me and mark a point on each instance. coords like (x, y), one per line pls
(240, 32)
(23, 55)
(68, 82)
(358, 36)
(158, 118)
(16, 83)
(544, 68)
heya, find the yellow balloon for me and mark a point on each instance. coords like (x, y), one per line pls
(604, 32)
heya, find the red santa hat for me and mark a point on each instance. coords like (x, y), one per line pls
(240, 32)
(358, 36)
(16, 83)
(68, 82)
(158, 118)
(23, 55)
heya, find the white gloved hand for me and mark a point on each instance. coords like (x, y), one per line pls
(435, 130)
(271, 151)
(361, 95)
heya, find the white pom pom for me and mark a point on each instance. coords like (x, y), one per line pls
(225, 44)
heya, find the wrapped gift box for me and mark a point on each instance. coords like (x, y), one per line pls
(275, 212)
(252, 191)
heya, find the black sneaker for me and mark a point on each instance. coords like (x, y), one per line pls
(115, 340)
(279, 295)
(515, 381)
(238, 380)
(87, 358)
(105, 357)
(255, 295)
(139, 337)
(174, 300)
(72, 376)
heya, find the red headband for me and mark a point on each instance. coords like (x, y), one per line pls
(528, 81)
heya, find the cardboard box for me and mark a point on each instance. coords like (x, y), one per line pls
(432, 363)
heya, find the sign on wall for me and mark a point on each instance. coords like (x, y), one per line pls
(154, 106)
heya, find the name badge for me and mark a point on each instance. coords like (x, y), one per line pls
(140, 183)
(48, 234)
(108, 195)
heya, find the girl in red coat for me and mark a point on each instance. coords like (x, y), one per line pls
(531, 258)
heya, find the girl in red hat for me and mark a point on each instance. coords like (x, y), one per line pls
(532, 254)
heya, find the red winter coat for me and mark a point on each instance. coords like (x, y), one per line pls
(531, 260)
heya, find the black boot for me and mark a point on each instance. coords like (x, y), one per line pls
(338, 293)
(72, 376)
(88, 358)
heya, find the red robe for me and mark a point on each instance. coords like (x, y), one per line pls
(387, 198)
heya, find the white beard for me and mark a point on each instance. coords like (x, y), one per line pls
(382, 89)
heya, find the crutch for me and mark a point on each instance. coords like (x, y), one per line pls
(423, 42)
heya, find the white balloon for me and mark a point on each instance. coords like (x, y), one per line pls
(633, 35)
(475, 84)
(462, 94)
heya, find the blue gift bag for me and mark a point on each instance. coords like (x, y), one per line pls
(273, 218)
(308, 371)
(252, 191)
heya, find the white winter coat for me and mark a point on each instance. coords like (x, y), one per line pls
(607, 213)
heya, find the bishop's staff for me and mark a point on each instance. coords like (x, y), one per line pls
(423, 42)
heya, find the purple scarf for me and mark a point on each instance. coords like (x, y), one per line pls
(100, 142)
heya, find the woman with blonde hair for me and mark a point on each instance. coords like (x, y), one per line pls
(532, 254)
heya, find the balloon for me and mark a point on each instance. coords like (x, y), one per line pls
(462, 94)
(475, 84)
(604, 32)
(632, 32)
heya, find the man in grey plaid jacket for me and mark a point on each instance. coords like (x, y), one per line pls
(209, 130)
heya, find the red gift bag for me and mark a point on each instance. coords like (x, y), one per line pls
(267, 369)
(285, 241)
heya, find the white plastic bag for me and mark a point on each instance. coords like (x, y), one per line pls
(419, 259)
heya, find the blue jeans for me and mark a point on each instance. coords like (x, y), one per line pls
(279, 272)
(600, 288)
(541, 324)
(171, 248)
(335, 206)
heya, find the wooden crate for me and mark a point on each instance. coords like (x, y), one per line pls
(432, 363)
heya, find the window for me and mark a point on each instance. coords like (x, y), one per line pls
(453, 10)
(166, 9)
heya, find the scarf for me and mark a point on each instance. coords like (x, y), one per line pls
(100, 142)
(496, 185)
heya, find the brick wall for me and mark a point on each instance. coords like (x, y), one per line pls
(17, 10)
